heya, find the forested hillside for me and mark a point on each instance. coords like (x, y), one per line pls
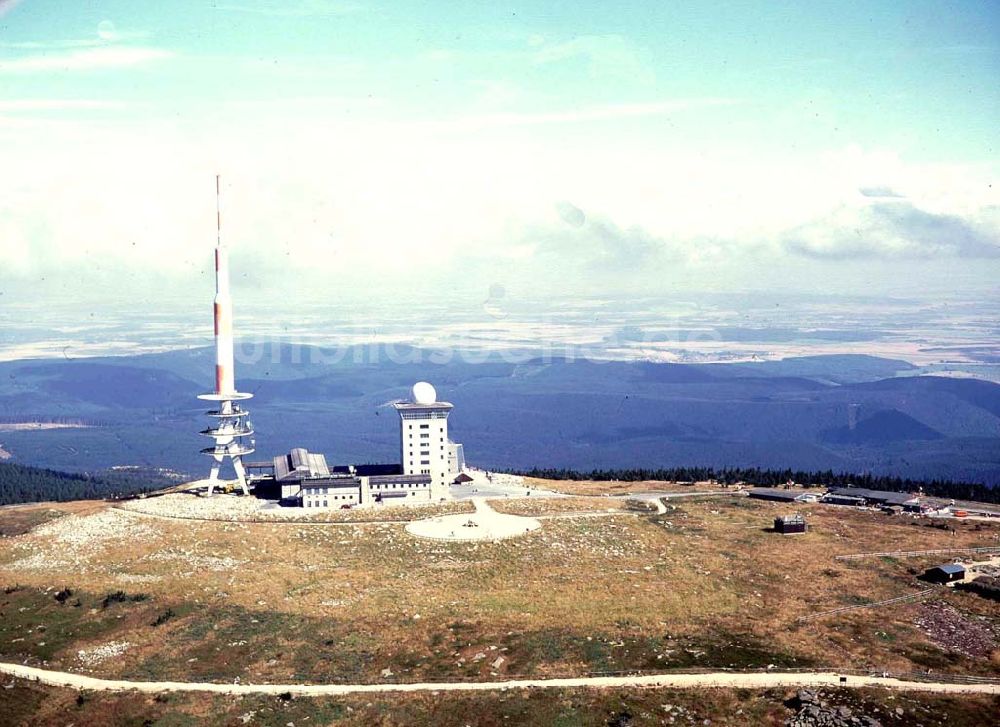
(33, 484)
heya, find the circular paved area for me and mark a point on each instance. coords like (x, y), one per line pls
(484, 524)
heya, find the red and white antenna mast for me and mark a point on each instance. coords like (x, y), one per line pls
(232, 423)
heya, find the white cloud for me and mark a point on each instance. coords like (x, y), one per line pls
(593, 113)
(51, 44)
(93, 58)
(880, 192)
(7, 5)
(55, 104)
(105, 33)
(302, 8)
(895, 228)
(604, 49)
(607, 59)
(309, 198)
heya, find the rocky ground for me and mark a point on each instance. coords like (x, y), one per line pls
(817, 711)
(234, 507)
(68, 543)
(952, 630)
(99, 654)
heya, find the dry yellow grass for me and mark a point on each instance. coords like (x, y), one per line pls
(704, 584)
(605, 487)
(557, 505)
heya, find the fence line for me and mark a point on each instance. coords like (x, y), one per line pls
(897, 599)
(910, 553)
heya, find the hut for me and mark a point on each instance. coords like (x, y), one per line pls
(947, 573)
(790, 524)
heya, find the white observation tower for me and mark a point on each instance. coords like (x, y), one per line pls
(230, 421)
(423, 437)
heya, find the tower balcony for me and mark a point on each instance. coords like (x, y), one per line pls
(231, 396)
(242, 430)
(221, 414)
(230, 450)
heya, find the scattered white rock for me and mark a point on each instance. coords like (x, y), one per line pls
(98, 654)
(196, 561)
(67, 543)
(138, 578)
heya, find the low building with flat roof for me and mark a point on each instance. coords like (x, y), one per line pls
(874, 497)
(779, 494)
(947, 573)
(304, 479)
(331, 492)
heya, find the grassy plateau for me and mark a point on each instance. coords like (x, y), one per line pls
(96, 590)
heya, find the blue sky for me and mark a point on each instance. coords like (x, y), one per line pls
(635, 147)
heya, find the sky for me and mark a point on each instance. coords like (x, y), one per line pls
(415, 149)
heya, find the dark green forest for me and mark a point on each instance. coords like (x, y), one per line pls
(19, 483)
(771, 478)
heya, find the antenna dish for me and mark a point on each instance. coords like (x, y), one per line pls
(423, 393)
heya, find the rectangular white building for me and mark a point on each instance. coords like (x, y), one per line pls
(423, 435)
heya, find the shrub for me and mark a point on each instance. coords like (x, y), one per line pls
(164, 617)
(122, 597)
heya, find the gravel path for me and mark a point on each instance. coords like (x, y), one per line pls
(768, 680)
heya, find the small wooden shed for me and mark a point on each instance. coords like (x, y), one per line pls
(790, 524)
(947, 573)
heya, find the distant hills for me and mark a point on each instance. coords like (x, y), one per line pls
(882, 427)
(841, 413)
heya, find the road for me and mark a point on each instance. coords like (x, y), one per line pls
(763, 680)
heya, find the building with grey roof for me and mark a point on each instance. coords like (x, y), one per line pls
(777, 494)
(871, 497)
(947, 573)
(303, 478)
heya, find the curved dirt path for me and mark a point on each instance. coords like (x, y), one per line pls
(765, 680)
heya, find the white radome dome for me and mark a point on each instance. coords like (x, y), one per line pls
(423, 393)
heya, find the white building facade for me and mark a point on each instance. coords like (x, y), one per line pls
(423, 433)
(456, 459)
